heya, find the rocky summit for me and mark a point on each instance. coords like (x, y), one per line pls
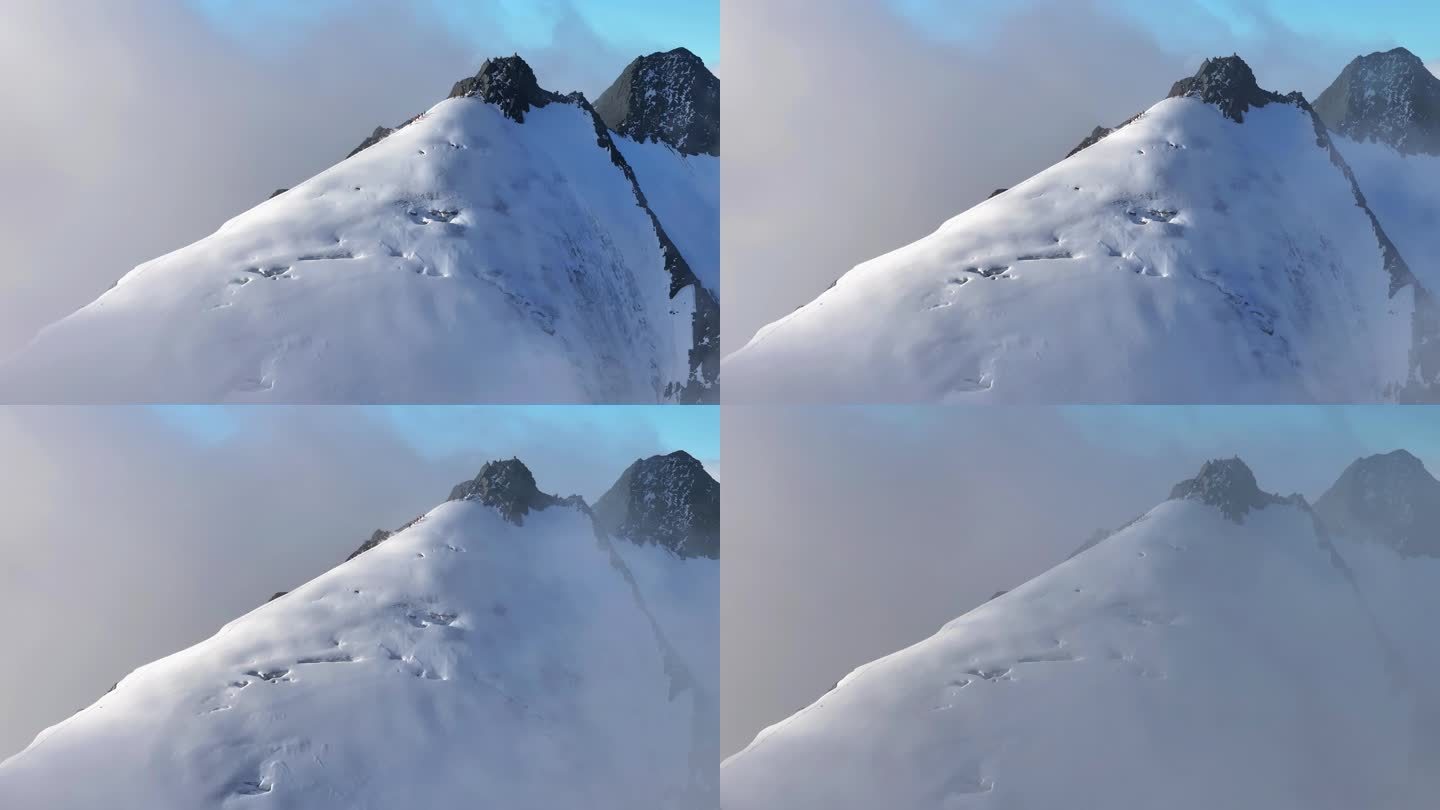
(669, 97)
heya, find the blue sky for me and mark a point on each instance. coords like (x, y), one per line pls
(1291, 448)
(1187, 24)
(486, 430)
(630, 26)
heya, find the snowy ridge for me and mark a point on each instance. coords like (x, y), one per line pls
(1196, 658)
(1218, 245)
(496, 248)
(499, 646)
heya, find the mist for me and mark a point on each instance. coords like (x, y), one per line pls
(854, 132)
(129, 538)
(134, 127)
(852, 533)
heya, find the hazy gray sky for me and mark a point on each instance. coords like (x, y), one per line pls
(854, 132)
(134, 127)
(853, 532)
(131, 533)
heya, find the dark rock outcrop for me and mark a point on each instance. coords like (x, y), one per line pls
(1389, 499)
(667, 500)
(1096, 135)
(669, 97)
(509, 84)
(1229, 485)
(509, 487)
(380, 536)
(1388, 96)
(1224, 81)
(1227, 83)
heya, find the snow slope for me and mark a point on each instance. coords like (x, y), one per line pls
(1217, 652)
(684, 192)
(500, 649)
(1214, 249)
(1385, 110)
(497, 248)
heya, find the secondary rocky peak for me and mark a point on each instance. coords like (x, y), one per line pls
(508, 486)
(1227, 484)
(1229, 84)
(508, 83)
(1390, 499)
(669, 500)
(669, 97)
(1387, 96)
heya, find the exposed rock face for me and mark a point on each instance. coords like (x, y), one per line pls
(668, 500)
(670, 97)
(1389, 499)
(1387, 96)
(380, 536)
(508, 83)
(380, 134)
(1229, 84)
(1224, 81)
(1229, 485)
(1096, 135)
(509, 487)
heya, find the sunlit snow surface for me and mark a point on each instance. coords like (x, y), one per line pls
(684, 192)
(464, 661)
(1184, 258)
(466, 257)
(1404, 192)
(1185, 662)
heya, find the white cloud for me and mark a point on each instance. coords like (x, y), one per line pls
(133, 127)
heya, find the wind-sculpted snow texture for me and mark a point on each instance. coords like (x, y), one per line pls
(500, 649)
(1223, 650)
(496, 248)
(1215, 248)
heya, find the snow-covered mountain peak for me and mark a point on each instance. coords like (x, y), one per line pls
(1229, 84)
(501, 246)
(668, 500)
(536, 662)
(1386, 96)
(509, 487)
(669, 97)
(1227, 484)
(1390, 499)
(509, 83)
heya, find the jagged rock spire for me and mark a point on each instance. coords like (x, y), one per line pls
(670, 97)
(508, 83)
(668, 500)
(509, 487)
(1227, 484)
(1229, 84)
(1224, 81)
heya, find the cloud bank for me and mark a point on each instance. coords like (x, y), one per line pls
(127, 539)
(853, 532)
(134, 127)
(855, 132)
